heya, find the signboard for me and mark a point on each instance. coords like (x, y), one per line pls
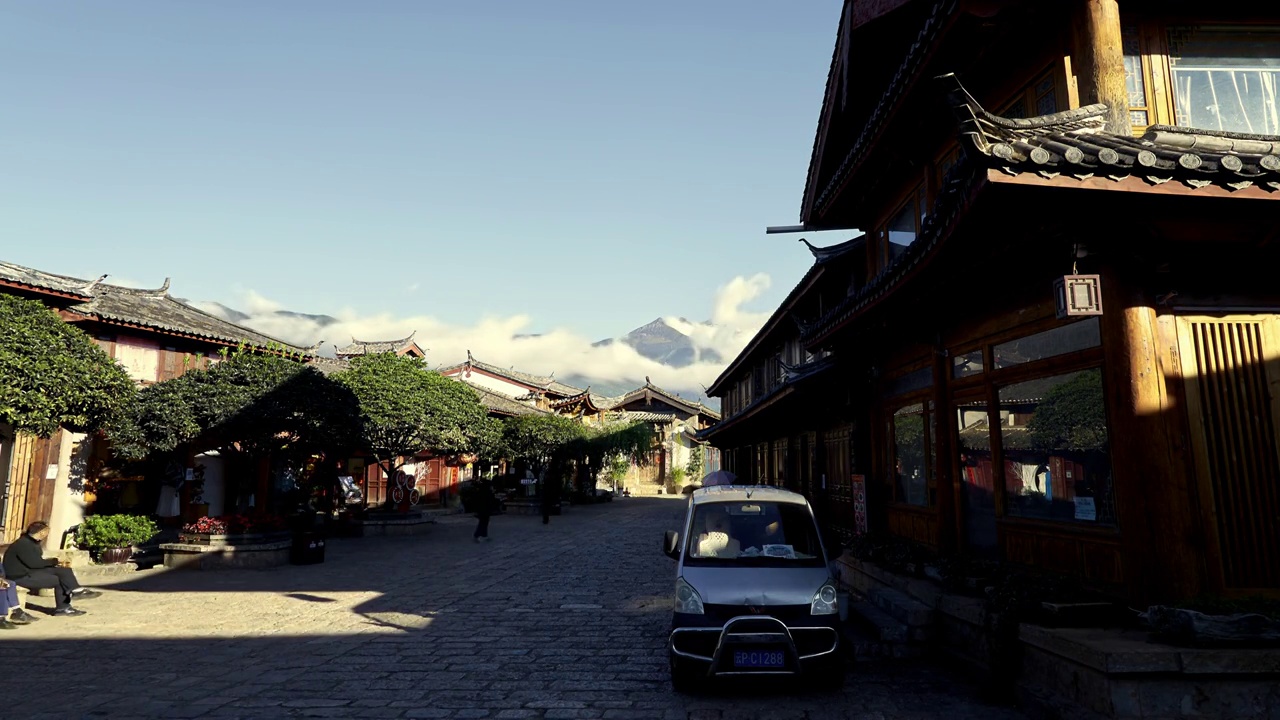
(859, 483)
(1086, 509)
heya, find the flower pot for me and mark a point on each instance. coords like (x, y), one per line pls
(115, 556)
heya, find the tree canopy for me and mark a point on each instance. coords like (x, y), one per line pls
(53, 375)
(404, 408)
(254, 402)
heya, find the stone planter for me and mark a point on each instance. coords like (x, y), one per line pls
(233, 539)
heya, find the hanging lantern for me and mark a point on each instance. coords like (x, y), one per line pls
(1078, 295)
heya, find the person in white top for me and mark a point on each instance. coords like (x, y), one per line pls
(716, 541)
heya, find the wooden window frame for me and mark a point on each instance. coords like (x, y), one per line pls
(878, 249)
(1153, 36)
(986, 386)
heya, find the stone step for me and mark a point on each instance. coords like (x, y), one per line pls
(862, 645)
(901, 607)
(877, 622)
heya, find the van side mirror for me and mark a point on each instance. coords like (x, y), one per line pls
(671, 544)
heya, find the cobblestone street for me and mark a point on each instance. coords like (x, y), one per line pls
(559, 621)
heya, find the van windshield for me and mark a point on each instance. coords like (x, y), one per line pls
(753, 533)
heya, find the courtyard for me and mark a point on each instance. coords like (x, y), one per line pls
(566, 620)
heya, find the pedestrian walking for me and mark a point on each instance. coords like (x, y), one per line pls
(486, 505)
(550, 499)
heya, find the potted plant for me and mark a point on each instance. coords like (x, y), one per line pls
(112, 537)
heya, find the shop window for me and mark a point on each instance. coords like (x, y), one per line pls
(1050, 343)
(1057, 464)
(1037, 98)
(967, 364)
(1226, 78)
(902, 229)
(912, 428)
(973, 436)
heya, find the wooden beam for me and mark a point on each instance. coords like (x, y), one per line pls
(1100, 56)
(1130, 184)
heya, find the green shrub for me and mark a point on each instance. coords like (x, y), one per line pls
(99, 532)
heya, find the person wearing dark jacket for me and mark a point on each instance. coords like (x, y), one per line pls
(486, 504)
(26, 566)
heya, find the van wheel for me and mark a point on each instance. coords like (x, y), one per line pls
(682, 680)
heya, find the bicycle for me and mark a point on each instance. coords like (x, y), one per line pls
(405, 483)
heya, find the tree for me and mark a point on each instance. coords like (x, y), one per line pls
(404, 408)
(598, 448)
(53, 375)
(539, 440)
(694, 467)
(257, 403)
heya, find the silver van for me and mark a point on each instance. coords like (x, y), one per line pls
(754, 592)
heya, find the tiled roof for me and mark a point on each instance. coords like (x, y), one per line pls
(499, 404)
(792, 375)
(156, 309)
(908, 72)
(546, 384)
(375, 347)
(39, 280)
(151, 309)
(693, 407)
(1074, 144)
(586, 397)
(328, 366)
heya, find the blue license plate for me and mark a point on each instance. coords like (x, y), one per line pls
(759, 659)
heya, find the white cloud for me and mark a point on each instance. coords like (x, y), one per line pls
(506, 341)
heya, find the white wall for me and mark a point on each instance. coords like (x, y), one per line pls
(68, 493)
(489, 382)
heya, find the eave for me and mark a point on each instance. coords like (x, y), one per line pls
(806, 283)
(817, 202)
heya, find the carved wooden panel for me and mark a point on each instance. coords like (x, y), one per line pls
(1229, 365)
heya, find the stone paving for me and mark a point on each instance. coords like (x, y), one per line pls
(566, 621)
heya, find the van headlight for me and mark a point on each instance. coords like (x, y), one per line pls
(687, 599)
(825, 601)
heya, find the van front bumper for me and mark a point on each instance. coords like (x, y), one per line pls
(755, 645)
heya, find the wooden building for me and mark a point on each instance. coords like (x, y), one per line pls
(155, 337)
(1060, 342)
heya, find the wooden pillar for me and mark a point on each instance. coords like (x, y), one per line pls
(1099, 57)
(1161, 555)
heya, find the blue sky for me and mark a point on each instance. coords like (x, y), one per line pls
(592, 165)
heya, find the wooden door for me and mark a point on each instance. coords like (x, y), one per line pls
(1231, 370)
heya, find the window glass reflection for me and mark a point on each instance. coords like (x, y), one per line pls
(1058, 341)
(1057, 462)
(911, 472)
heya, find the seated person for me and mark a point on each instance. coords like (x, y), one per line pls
(715, 540)
(11, 613)
(26, 566)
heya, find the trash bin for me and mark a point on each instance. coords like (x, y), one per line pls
(308, 548)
